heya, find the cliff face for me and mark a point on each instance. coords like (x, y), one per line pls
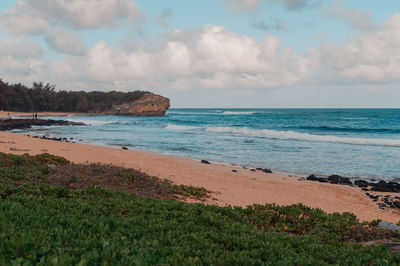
(148, 105)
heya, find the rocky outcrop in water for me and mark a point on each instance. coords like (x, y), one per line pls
(9, 124)
(149, 105)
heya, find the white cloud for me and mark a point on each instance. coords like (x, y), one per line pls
(253, 5)
(65, 42)
(33, 16)
(353, 17)
(20, 48)
(210, 58)
(23, 19)
(370, 58)
(243, 5)
(21, 60)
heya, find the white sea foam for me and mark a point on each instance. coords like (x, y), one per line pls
(213, 112)
(125, 123)
(90, 122)
(291, 135)
(237, 113)
(177, 127)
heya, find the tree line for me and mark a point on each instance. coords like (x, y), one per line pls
(44, 97)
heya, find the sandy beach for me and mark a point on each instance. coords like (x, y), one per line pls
(40, 114)
(240, 188)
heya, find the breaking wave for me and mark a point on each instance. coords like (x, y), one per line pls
(291, 135)
(237, 113)
(177, 127)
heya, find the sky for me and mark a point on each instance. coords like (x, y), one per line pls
(210, 53)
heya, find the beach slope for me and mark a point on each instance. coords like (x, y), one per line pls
(240, 188)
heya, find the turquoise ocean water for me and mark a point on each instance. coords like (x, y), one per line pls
(350, 142)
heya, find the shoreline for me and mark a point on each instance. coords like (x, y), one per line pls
(43, 114)
(230, 184)
(304, 173)
(371, 179)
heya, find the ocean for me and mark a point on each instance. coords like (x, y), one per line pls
(361, 143)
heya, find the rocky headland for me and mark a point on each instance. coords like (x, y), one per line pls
(45, 98)
(149, 104)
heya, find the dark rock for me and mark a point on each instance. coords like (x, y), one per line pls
(361, 183)
(234, 171)
(389, 202)
(265, 170)
(124, 148)
(337, 179)
(383, 186)
(312, 178)
(334, 179)
(372, 196)
(394, 184)
(319, 179)
(365, 189)
(381, 183)
(253, 170)
(205, 162)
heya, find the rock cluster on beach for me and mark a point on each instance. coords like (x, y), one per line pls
(333, 179)
(387, 201)
(381, 186)
(47, 137)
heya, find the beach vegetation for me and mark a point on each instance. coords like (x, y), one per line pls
(44, 97)
(117, 216)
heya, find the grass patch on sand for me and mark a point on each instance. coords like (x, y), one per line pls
(57, 171)
(198, 193)
(50, 216)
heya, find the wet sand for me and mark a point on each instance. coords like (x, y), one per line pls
(240, 188)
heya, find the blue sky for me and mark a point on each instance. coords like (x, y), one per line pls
(210, 53)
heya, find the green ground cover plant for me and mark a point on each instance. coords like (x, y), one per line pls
(45, 222)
